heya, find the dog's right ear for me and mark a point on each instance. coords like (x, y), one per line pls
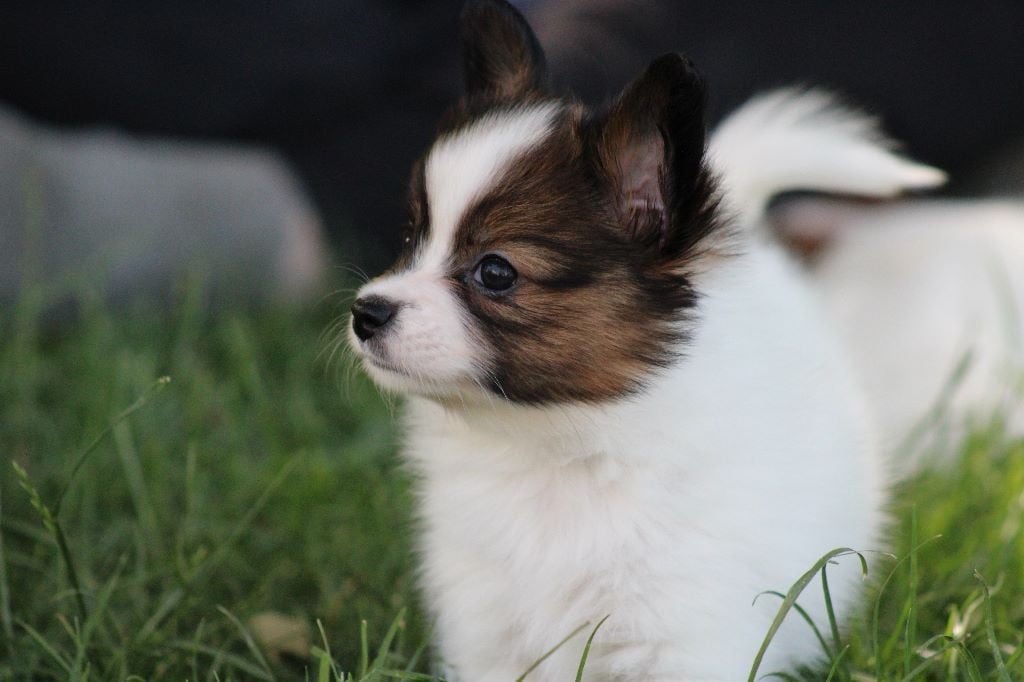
(502, 56)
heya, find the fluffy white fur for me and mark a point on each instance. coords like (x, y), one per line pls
(913, 290)
(916, 291)
(793, 139)
(672, 510)
(669, 512)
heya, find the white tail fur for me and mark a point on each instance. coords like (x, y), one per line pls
(795, 139)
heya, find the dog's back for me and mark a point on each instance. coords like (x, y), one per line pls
(927, 296)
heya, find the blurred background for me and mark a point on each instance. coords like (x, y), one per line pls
(260, 144)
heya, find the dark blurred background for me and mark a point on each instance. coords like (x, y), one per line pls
(270, 139)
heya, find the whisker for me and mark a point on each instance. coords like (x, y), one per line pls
(354, 269)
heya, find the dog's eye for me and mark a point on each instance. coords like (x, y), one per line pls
(495, 273)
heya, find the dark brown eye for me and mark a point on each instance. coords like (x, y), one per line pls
(495, 273)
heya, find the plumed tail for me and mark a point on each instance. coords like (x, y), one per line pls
(794, 139)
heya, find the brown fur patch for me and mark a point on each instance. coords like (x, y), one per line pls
(595, 310)
(605, 222)
(501, 56)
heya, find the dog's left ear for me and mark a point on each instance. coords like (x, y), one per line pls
(652, 152)
(502, 56)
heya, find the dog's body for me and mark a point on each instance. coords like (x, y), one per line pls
(929, 298)
(622, 403)
(926, 295)
(670, 511)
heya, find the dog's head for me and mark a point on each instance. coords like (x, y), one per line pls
(550, 249)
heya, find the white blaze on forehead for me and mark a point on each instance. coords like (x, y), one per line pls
(430, 342)
(461, 167)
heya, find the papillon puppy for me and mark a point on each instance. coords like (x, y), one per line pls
(620, 400)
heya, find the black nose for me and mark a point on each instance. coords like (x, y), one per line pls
(370, 314)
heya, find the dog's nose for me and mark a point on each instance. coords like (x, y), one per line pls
(370, 314)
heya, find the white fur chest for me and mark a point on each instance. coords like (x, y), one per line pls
(668, 512)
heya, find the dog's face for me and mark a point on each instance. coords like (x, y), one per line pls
(550, 249)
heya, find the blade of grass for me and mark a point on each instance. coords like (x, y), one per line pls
(249, 642)
(121, 416)
(323, 671)
(219, 656)
(99, 609)
(834, 670)
(791, 597)
(51, 525)
(247, 519)
(364, 650)
(384, 650)
(327, 649)
(166, 607)
(807, 619)
(185, 523)
(418, 653)
(173, 599)
(990, 632)
(931, 659)
(49, 517)
(195, 654)
(973, 672)
(131, 466)
(586, 648)
(911, 625)
(46, 647)
(830, 611)
(552, 651)
(876, 610)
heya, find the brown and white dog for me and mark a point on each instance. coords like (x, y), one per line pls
(622, 401)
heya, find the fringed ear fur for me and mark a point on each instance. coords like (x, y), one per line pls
(501, 54)
(652, 153)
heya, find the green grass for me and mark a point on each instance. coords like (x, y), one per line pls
(260, 480)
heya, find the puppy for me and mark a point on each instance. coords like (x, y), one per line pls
(620, 401)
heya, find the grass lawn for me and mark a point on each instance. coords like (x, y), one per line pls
(249, 519)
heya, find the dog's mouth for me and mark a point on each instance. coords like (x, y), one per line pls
(397, 371)
(394, 378)
(370, 354)
(378, 363)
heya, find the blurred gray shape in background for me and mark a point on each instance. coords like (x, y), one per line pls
(135, 216)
